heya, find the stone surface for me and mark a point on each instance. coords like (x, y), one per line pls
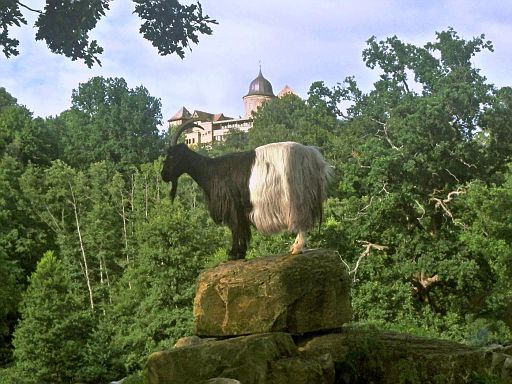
(289, 306)
(191, 340)
(385, 357)
(350, 356)
(265, 358)
(302, 369)
(296, 294)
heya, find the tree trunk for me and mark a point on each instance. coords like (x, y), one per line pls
(82, 249)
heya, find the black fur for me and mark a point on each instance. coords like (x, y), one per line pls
(225, 182)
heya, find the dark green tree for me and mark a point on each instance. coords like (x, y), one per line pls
(21, 136)
(82, 211)
(10, 294)
(54, 328)
(408, 151)
(65, 25)
(496, 132)
(152, 304)
(290, 118)
(22, 239)
(484, 212)
(109, 121)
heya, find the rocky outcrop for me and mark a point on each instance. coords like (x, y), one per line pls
(294, 311)
(363, 356)
(349, 356)
(264, 358)
(284, 293)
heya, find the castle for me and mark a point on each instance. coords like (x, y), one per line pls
(217, 126)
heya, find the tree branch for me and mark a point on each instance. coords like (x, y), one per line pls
(422, 285)
(360, 212)
(442, 203)
(452, 175)
(27, 7)
(81, 242)
(367, 248)
(386, 136)
(422, 209)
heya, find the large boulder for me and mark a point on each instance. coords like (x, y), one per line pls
(282, 293)
(255, 359)
(372, 356)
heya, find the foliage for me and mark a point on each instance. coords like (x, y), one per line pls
(65, 26)
(412, 152)
(419, 210)
(153, 306)
(171, 26)
(109, 121)
(23, 240)
(10, 15)
(77, 18)
(10, 293)
(21, 136)
(50, 337)
(290, 118)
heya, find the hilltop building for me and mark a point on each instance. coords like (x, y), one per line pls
(217, 126)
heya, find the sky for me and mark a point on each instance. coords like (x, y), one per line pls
(297, 43)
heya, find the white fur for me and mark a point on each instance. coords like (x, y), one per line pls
(287, 187)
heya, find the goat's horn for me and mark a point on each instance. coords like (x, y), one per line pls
(187, 124)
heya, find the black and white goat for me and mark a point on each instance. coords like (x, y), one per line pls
(276, 187)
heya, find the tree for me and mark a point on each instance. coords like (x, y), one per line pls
(21, 136)
(65, 25)
(56, 323)
(23, 240)
(497, 131)
(409, 152)
(109, 121)
(10, 293)
(290, 118)
(152, 301)
(484, 211)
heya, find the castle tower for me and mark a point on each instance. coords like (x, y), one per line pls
(260, 90)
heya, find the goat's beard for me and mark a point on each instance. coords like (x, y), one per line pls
(174, 189)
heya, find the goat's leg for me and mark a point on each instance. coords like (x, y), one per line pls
(233, 254)
(238, 246)
(298, 244)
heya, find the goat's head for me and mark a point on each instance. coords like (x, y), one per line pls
(174, 163)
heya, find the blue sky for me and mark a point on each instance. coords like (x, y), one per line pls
(297, 41)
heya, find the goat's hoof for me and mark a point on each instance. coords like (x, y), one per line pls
(295, 251)
(236, 257)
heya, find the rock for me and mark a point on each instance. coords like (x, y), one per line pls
(506, 370)
(282, 293)
(280, 302)
(387, 357)
(191, 340)
(303, 369)
(350, 356)
(265, 358)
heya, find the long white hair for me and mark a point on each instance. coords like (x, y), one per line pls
(287, 186)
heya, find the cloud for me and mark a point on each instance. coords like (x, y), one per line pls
(297, 42)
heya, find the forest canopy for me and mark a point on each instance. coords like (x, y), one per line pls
(93, 252)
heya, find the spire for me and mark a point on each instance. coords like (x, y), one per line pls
(260, 86)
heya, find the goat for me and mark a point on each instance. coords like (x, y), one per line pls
(276, 187)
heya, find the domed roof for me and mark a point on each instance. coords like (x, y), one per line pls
(260, 86)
